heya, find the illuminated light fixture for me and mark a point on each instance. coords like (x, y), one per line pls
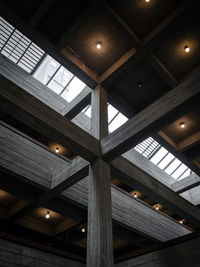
(182, 124)
(157, 208)
(187, 49)
(57, 149)
(147, 1)
(98, 45)
(48, 215)
(139, 84)
(83, 230)
(181, 221)
(135, 195)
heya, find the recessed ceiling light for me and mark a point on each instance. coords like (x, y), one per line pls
(182, 124)
(147, 1)
(57, 149)
(98, 45)
(187, 49)
(83, 230)
(48, 215)
(135, 195)
(157, 208)
(181, 221)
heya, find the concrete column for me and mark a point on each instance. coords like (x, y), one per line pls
(99, 113)
(99, 237)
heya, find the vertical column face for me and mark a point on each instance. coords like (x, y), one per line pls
(99, 237)
(99, 114)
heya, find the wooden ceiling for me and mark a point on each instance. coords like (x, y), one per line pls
(142, 58)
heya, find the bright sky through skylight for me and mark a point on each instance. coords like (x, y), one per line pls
(115, 118)
(27, 55)
(59, 79)
(158, 155)
(18, 48)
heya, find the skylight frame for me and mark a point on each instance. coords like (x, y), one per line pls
(18, 48)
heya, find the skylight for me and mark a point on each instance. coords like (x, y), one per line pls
(115, 118)
(18, 48)
(59, 79)
(161, 157)
(27, 55)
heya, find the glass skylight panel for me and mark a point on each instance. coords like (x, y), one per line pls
(147, 147)
(173, 166)
(74, 88)
(60, 79)
(117, 122)
(112, 112)
(185, 174)
(18, 48)
(159, 155)
(46, 70)
(166, 160)
(88, 111)
(179, 171)
(163, 159)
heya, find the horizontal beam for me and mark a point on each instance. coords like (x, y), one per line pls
(131, 213)
(146, 184)
(43, 119)
(189, 141)
(31, 85)
(186, 183)
(150, 119)
(181, 252)
(126, 209)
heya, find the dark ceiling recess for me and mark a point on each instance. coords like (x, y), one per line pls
(136, 50)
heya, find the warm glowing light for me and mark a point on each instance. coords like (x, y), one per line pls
(57, 149)
(182, 124)
(147, 1)
(47, 215)
(98, 46)
(157, 208)
(181, 221)
(135, 194)
(187, 49)
(83, 230)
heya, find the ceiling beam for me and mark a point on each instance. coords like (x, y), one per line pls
(148, 185)
(150, 119)
(189, 142)
(129, 212)
(186, 184)
(145, 48)
(43, 119)
(78, 195)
